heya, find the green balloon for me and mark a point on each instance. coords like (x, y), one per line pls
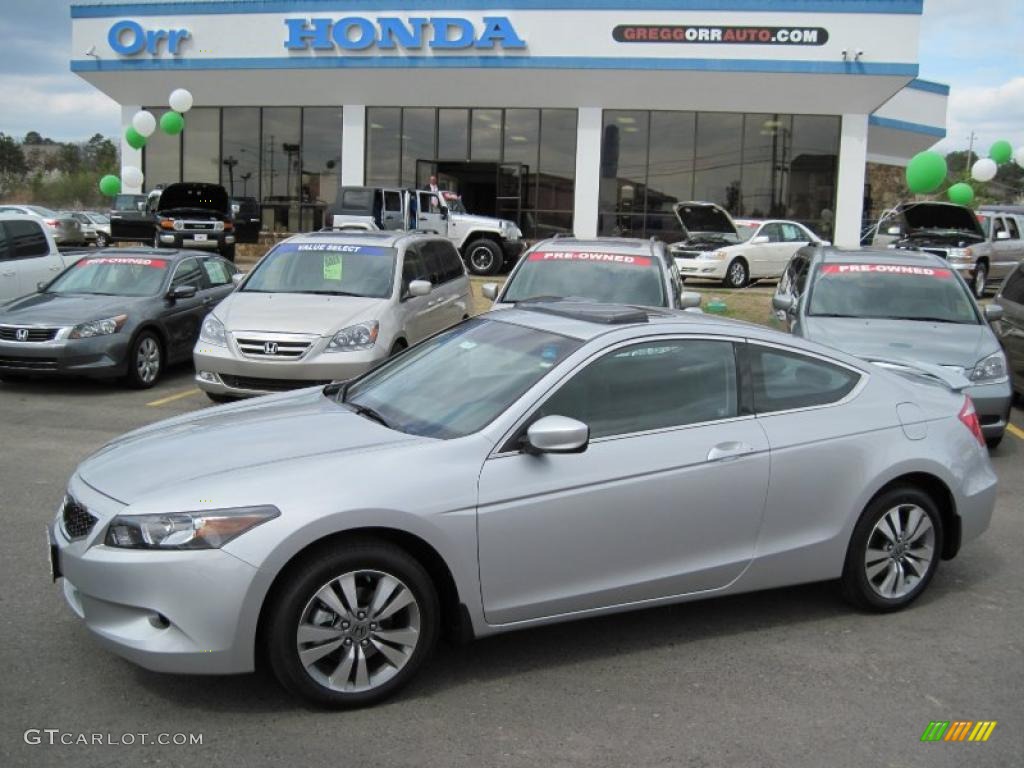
(1001, 151)
(926, 172)
(135, 139)
(172, 123)
(110, 185)
(960, 193)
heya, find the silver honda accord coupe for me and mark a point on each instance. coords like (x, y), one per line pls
(532, 465)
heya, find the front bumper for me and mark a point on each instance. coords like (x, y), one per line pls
(223, 371)
(512, 249)
(992, 403)
(702, 268)
(176, 611)
(186, 239)
(98, 357)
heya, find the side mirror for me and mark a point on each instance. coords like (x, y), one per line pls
(783, 303)
(690, 299)
(235, 208)
(237, 278)
(181, 292)
(893, 231)
(40, 286)
(824, 243)
(489, 291)
(993, 312)
(444, 212)
(1004, 235)
(420, 288)
(557, 434)
(759, 240)
(141, 206)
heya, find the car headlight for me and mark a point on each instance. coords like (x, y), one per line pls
(98, 327)
(355, 338)
(959, 254)
(186, 530)
(991, 370)
(715, 255)
(213, 332)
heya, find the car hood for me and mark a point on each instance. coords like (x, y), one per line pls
(244, 435)
(53, 310)
(941, 216)
(477, 221)
(697, 218)
(905, 340)
(295, 312)
(195, 196)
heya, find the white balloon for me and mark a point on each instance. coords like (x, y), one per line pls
(1018, 156)
(144, 122)
(180, 100)
(131, 176)
(984, 170)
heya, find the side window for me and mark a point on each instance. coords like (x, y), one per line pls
(803, 267)
(392, 201)
(435, 267)
(1011, 225)
(791, 233)
(786, 380)
(653, 385)
(773, 232)
(26, 239)
(4, 254)
(1013, 291)
(217, 272)
(188, 273)
(412, 266)
(454, 268)
(429, 203)
(997, 227)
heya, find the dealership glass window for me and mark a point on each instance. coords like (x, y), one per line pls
(452, 134)
(625, 142)
(383, 146)
(717, 162)
(201, 145)
(767, 141)
(161, 157)
(321, 162)
(280, 174)
(813, 167)
(240, 151)
(556, 183)
(522, 145)
(418, 140)
(670, 171)
(486, 135)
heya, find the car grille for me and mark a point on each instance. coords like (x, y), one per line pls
(267, 385)
(10, 333)
(276, 347)
(679, 254)
(28, 363)
(75, 519)
(201, 226)
(936, 252)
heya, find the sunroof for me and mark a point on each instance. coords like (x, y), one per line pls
(606, 314)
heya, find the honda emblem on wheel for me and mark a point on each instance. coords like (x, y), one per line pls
(21, 334)
(270, 348)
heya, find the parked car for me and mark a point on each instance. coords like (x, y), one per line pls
(64, 229)
(328, 306)
(248, 222)
(607, 270)
(486, 243)
(119, 313)
(978, 246)
(194, 215)
(553, 462)
(1010, 327)
(101, 224)
(28, 255)
(130, 220)
(763, 250)
(900, 307)
(88, 228)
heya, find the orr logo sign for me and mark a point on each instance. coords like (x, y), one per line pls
(445, 33)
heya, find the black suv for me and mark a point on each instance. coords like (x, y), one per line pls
(194, 215)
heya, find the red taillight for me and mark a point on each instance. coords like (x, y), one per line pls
(51, 222)
(969, 418)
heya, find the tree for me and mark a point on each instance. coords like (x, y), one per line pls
(32, 138)
(12, 164)
(69, 158)
(100, 155)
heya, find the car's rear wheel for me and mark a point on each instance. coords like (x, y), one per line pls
(483, 257)
(737, 275)
(894, 550)
(352, 624)
(101, 240)
(979, 281)
(145, 361)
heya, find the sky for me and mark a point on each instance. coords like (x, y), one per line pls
(975, 46)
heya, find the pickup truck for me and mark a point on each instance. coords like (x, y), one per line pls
(486, 244)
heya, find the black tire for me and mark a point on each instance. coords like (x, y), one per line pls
(296, 593)
(484, 257)
(857, 586)
(397, 347)
(139, 377)
(14, 378)
(979, 280)
(737, 274)
(220, 398)
(228, 252)
(993, 442)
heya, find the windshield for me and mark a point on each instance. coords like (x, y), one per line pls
(128, 202)
(609, 278)
(454, 203)
(38, 210)
(112, 276)
(458, 382)
(98, 218)
(986, 225)
(331, 269)
(891, 291)
(746, 229)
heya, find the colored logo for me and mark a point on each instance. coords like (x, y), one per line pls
(959, 730)
(356, 33)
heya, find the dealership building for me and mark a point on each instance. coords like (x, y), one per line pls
(585, 116)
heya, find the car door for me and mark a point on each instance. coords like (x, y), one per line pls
(182, 318)
(431, 216)
(761, 252)
(30, 255)
(9, 287)
(218, 284)
(1014, 244)
(418, 312)
(1011, 327)
(454, 296)
(666, 500)
(794, 237)
(791, 286)
(1003, 247)
(392, 215)
(445, 293)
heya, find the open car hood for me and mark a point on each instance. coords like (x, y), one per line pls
(940, 216)
(196, 197)
(697, 217)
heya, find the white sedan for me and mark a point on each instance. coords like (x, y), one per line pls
(763, 250)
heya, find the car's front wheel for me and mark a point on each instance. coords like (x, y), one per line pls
(894, 551)
(145, 361)
(483, 257)
(101, 240)
(351, 624)
(737, 275)
(979, 282)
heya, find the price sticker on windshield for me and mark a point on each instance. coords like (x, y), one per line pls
(332, 266)
(885, 269)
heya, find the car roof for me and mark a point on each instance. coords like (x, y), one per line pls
(382, 237)
(877, 256)
(167, 254)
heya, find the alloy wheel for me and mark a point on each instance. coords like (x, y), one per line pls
(147, 360)
(899, 552)
(737, 274)
(358, 631)
(980, 281)
(482, 259)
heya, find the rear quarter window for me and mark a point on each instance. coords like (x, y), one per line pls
(25, 239)
(783, 380)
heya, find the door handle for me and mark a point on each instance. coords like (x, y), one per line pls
(8, 274)
(730, 450)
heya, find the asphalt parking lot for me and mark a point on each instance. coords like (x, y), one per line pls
(790, 677)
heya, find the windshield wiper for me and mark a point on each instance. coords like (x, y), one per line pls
(331, 293)
(835, 314)
(927, 320)
(368, 413)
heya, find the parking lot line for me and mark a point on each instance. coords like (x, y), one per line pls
(1015, 431)
(172, 398)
